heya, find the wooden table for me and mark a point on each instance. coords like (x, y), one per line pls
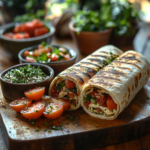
(141, 44)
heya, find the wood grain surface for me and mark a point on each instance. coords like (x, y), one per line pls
(79, 130)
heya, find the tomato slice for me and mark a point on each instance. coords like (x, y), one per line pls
(64, 102)
(87, 104)
(37, 23)
(53, 110)
(30, 59)
(110, 103)
(26, 53)
(20, 103)
(34, 111)
(54, 57)
(35, 93)
(69, 84)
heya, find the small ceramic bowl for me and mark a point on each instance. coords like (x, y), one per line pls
(13, 91)
(14, 46)
(57, 66)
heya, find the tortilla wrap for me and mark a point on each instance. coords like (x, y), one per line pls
(121, 80)
(84, 70)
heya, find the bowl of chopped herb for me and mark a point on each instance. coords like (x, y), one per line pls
(22, 77)
(57, 57)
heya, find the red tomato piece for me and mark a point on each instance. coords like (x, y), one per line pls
(29, 28)
(54, 93)
(54, 57)
(53, 110)
(30, 59)
(69, 84)
(101, 100)
(87, 104)
(18, 36)
(26, 35)
(70, 94)
(67, 57)
(110, 103)
(34, 111)
(19, 28)
(26, 53)
(20, 103)
(36, 53)
(37, 23)
(40, 31)
(64, 102)
(62, 49)
(9, 35)
(35, 93)
(95, 94)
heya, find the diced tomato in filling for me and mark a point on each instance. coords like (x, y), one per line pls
(87, 104)
(55, 93)
(110, 103)
(69, 84)
(95, 94)
(70, 94)
(98, 110)
(101, 100)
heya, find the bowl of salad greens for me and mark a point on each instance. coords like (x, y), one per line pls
(57, 57)
(22, 77)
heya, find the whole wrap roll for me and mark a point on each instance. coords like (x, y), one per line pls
(81, 72)
(121, 80)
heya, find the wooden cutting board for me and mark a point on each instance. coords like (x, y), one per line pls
(77, 130)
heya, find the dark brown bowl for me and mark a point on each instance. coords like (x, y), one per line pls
(13, 91)
(14, 46)
(57, 66)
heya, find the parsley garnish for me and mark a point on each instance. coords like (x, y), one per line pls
(37, 130)
(87, 98)
(59, 86)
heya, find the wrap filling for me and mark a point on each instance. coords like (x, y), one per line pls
(66, 89)
(99, 102)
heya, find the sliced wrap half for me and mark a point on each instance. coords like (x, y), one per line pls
(69, 83)
(111, 90)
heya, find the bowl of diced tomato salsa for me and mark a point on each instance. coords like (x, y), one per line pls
(16, 36)
(57, 57)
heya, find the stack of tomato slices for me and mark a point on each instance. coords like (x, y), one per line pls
(36, 103)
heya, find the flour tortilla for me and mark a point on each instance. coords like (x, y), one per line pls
(84, 70)
(122, 80)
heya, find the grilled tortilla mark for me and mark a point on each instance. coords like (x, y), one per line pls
(119, 67)
(85, 73)
(111, 72)
(128, 63)
(101, 82)
(91, 64)
(103, 52)
(99, 56)
(130, 58)
(87, 69)
(96, 60)
(75, 76)
(104, 77)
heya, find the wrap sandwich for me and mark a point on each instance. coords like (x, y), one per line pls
(69, 83)
(111, 90)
